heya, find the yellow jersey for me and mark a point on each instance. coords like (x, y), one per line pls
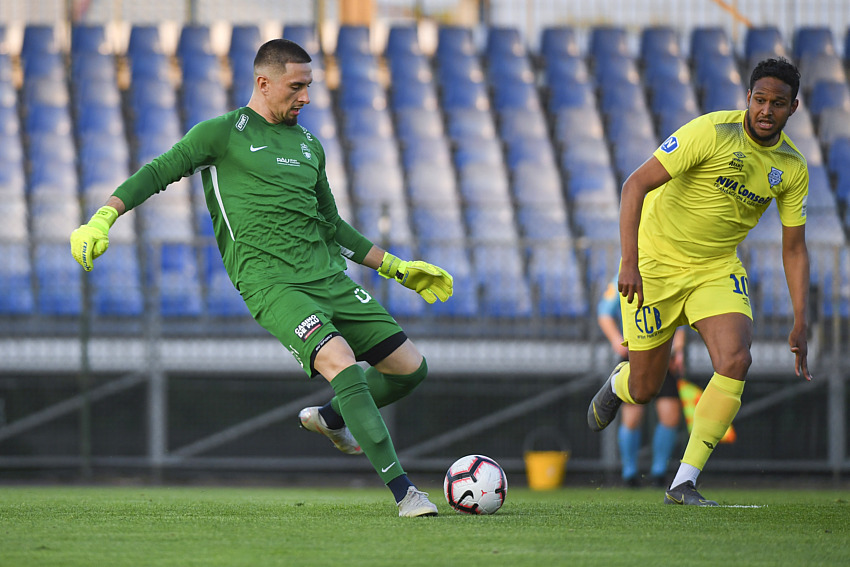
(722, 182)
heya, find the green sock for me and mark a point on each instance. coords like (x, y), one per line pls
(363, 419)
(387, 388)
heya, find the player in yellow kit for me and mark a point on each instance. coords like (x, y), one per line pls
(715, 176)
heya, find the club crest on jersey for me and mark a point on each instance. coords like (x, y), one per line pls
(242, 122)
(306, 151)
(670, 145)
(774, 177)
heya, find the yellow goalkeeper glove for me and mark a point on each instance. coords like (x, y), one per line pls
(428, 280)
(92, 239)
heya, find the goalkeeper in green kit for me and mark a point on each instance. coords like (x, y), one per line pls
(284, 247)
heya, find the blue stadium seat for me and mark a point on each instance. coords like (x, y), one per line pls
(58, 279)
(709, 41)
(839, 156)
(116, 284)
(144, 40)
(306, 36)
(574, 124)
(615, 70)
(245, 40)
(369, 122)
(546, 223)
(586, 153)
(501, 274)
(833, 124)
(371, 218)
(96, 119)
(320, 121)
(149, 67)
(723, 95)
(16, 291)
(571, 95)
(483, 185)
(593, 187)
(536, 185)
(356, 66)
(630, 156)
(461, 69)
(658, 42)
(518, 97)
(813, 40)
(352, 39)
(176, 268)
(624, 97)
(469, 123)
(669, 122)
(428, 185)
(638, 124)
(43, 92)
(822, 67)
(93, 67)
(665, 68)
(490, 224)
(503, 42)
(438, 223)
(429, 152)
(39, 39)
(413, 96)
(607, 41)
(402, 40)
(526, 125)
(503, 70)
(88, 38)
(716, 69)
(194, 40)
(418, 125)
(453, 41)
(828, 94)
(50, 147)
(529, 150)
(763, 40)
(221, 298)
(673, 97)
(358, 95)
(559, 42)
(201, 67)
(44, 65)
(555, 273)
(152, 93)
(478, 150)
(565, 71)
(376, 183)
(410, 68)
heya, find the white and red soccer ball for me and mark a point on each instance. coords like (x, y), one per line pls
(475, 484)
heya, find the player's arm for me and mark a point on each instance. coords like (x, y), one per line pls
(611, 329)
(644, 179)
(795, 259)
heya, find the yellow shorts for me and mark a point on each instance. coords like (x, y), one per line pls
(680, 295)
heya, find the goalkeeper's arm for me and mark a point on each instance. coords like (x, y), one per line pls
(92, 239)
(428, 280)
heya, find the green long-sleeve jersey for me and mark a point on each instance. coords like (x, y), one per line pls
(274, 216)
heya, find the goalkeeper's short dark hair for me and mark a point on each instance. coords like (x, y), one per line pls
(279, 53)
(778, 68)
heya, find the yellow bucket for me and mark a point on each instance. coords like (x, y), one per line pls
(545, 469)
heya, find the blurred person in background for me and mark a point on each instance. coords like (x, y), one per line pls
(284, 246)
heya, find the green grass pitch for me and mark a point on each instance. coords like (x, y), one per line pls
(212, 526)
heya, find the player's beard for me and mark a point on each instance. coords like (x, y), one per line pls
(751, 129)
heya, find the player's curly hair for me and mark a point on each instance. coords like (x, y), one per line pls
(279, 52)
(778, 68)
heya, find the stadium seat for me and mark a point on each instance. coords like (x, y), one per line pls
(716, 69)
(245, 40)
(413, 96)
(144, 40)
(173, 267)
(709, 41)
(116, 283)
(526, 125)
(39, 39)
(669, 122)
(833, 124)
(13, 207)
(673, 97)
(453, 41)
(306, 36)
(88, 38)
(555, 274)
(221, 298)
(490, 223)
(763, 40)
(419, 124)
(571, 95)
(813, 40)
(153, 93)
(664, 69)
(353, 39)
(359, 95)
(45, 66)
(478, 150)
(638, 124)
(201, 67)
(607, 41)
(504, 290)
(194, 40)
(402, 40)
(593, 186)
(483, 185)
(529, 150)
(615, 70)
(410, 68)
(565, 71)
(320, 121)
(621, 98)
(464, 123)
(430, 152)
(16, 290)
(536, 185)
(658, 42)
(723, 95)
(839, 156)
(376, 183)
(507, 69)
(544, 223)
(454, 258)
(822, 67)
(574, 124)
(586, 153)
(429, 185)
(828, 94)
(149, 67)
(557, 42)
(386, 222)
(58, 280)
(438, 223)
(516, 97)
(503, 42)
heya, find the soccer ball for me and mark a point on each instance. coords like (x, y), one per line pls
(475, 484)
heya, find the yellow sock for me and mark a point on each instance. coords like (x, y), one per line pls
(712, 417)
(621, 384)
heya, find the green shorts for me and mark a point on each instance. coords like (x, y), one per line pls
(680, 295)
(305, 316)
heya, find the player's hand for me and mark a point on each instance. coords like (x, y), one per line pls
(92, 239)
(428, 280)
(630, 284)
(800, 347)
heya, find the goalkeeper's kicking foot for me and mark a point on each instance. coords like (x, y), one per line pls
(604, 405)
(415, 503)
(686, 495)
(342, 439)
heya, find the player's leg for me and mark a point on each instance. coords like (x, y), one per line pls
(634, 382)
(728, 338)
(669, 411)
(629, 441)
